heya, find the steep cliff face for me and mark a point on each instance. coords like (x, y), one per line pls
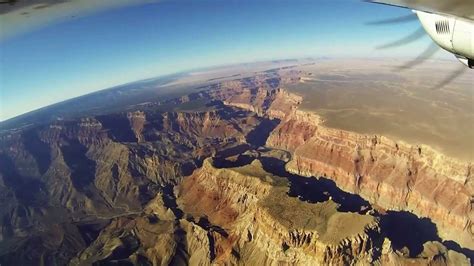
(392, 175)
(434, 253)
(101, 167)
(252, 219)
(148, 237)
(266, 226)
(261, 94)
(99, 189)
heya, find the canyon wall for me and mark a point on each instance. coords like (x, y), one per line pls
(267, 227)
(390, 174)
(205, 187)
(100, 168)
(252, 220)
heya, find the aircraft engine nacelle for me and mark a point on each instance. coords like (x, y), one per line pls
(452, 34)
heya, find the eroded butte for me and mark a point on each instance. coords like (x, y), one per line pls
(232, 172)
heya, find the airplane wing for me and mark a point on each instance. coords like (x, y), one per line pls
(17, 16)
(458, 8)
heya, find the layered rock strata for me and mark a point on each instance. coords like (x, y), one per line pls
(390, 174)
(266, 226)
(98, 168)
(99, 189)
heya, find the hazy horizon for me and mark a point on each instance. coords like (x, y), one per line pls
(210, 68)
(112, 47)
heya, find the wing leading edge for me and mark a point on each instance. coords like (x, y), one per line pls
(457, 8)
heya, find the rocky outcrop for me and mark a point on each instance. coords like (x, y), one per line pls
(266, 226)
(261, 94)
(98, 168)
(434, 253)
(99, 189)
(145, 237)
(137, 121)
(390, 174)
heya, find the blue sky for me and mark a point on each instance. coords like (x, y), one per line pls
(85, 54)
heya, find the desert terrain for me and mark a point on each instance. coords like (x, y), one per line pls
(412, 105)
(239, 165)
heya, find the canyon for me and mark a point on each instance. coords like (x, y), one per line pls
(231, 173)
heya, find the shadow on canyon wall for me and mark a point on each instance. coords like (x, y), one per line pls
(258, 137)
(40, 151)
(314, 190)
(402, 228)
(29, 191)
(82, 168)
(118, 127)
(405, 229)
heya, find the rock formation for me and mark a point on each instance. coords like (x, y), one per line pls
(151, 186)
(265, 226)
(392, 175)
(98, 168)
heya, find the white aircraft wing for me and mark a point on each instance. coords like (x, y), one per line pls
(457, 8)
(17, 16)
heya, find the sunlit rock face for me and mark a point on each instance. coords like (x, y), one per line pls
(101, 167)
(226, 175)
(392, 175)
(269, 227)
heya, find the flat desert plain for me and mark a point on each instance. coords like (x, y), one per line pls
(416, 105)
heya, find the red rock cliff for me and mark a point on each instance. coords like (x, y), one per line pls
(390, 174)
